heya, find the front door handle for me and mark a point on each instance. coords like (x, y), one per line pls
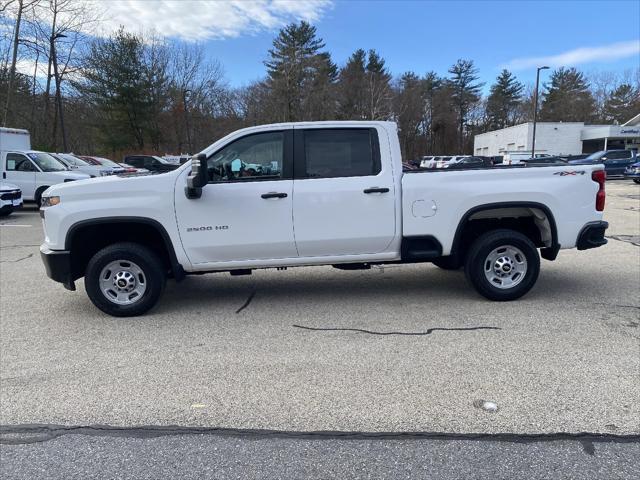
(273, 195)
(376, 190)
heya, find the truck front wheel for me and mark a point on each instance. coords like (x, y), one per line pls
(124, 279)
(502, 265)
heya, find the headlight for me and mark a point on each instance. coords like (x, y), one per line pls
(49, 201)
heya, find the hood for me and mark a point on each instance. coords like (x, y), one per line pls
(7, 187)
(125, 185)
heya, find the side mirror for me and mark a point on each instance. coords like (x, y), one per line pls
(198, 177)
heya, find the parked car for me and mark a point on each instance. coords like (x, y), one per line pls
(633, 172)
(10, 198)
(203, 217)
(470, 162)
(440, 161)
(33, 172)
(544, 161)
(117, 168)
(151, 163)
(132, 169)
(615, 161)
(513, 158)
(74, 162)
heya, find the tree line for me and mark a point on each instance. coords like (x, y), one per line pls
(142, 93)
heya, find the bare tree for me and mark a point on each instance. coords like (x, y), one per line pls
(21, 6)
(63, 24)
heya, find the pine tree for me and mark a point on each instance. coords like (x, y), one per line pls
(116, 82)
(352, 83)
(622, 104)
(465, 90)
(409, 108)
(567, 98)
(296, 64)
(378, 93)
(504, 97)
(365, 87)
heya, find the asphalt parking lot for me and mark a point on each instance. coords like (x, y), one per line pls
(395, 349)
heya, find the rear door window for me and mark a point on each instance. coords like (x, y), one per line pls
(345, 152)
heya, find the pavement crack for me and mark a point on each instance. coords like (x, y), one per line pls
(248, 301)
(36, 433)
(616, 305)
(632, 239)
(19, 246)
(18, 260)
(371, 332)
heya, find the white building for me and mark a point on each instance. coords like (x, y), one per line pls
(559, 138)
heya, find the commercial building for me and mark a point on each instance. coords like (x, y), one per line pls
(559, 138)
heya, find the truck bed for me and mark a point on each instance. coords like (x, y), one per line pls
(435, 200)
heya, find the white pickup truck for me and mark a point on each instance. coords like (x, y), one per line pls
(318, 193)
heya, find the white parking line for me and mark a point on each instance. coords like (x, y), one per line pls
(9, 225)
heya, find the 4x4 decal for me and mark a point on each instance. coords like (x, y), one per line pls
(564, 173)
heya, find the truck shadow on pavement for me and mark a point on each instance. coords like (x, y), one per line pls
(323, 288)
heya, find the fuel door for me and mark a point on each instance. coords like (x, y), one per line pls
(424, 208)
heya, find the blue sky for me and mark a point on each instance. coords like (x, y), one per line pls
(430, 35)
(411, 35)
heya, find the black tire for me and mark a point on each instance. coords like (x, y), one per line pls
(636, 180)
(486, 244)
(448, 263)
(154, 275)
(6, 211)
(38, 196)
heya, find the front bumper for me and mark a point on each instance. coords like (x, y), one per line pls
(592, 235)
(631, 174)
(57, 264)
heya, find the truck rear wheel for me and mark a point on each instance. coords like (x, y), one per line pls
(502, 265)
(125, 279)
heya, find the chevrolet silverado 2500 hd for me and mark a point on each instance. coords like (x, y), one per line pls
(318, 193)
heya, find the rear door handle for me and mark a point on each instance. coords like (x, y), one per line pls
(376, 190)
(273, 195)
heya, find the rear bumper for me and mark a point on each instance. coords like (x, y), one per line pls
(592, 235)
(57, 264)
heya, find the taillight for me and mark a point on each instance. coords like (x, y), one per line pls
(599, 176)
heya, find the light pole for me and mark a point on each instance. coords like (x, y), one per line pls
(535, 110)
(58, 92)
(186, 117)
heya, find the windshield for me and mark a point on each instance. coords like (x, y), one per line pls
(73, 160)
(596, 156)
(47, 163)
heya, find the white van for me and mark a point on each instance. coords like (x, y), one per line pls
(30, 170)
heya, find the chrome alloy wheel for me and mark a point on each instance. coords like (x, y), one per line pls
(505, 267)
(122, 282)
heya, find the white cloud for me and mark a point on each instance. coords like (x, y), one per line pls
(199, 20)
(604, 53)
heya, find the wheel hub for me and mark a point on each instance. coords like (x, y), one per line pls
(505, 267)
(122, 282)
